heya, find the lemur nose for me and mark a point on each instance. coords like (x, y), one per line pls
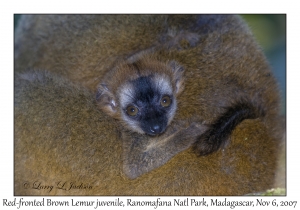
(155, 129)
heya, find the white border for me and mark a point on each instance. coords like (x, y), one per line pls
(8, 8)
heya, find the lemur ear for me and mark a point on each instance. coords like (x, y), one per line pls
(177, 76)
(106, 100)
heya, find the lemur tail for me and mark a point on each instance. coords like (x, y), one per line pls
(218, 133)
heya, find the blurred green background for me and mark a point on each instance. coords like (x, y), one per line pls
(270, 32)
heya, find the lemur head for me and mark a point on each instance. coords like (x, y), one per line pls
(142, 95)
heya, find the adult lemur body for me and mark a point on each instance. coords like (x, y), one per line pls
(226, 80)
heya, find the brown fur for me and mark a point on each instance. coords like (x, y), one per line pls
(222, 64)
(81, 145)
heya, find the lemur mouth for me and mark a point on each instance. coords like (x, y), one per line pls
(154, 135)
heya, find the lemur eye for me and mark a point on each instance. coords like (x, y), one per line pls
(165, 101)
(132, 110)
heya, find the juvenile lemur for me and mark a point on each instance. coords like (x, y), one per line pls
(142, 96)
(226, 80)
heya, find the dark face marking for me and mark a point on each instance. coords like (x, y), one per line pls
(152, 116)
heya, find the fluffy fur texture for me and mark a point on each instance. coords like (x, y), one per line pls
(217, 134)
(222, 66)
(68, 140)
